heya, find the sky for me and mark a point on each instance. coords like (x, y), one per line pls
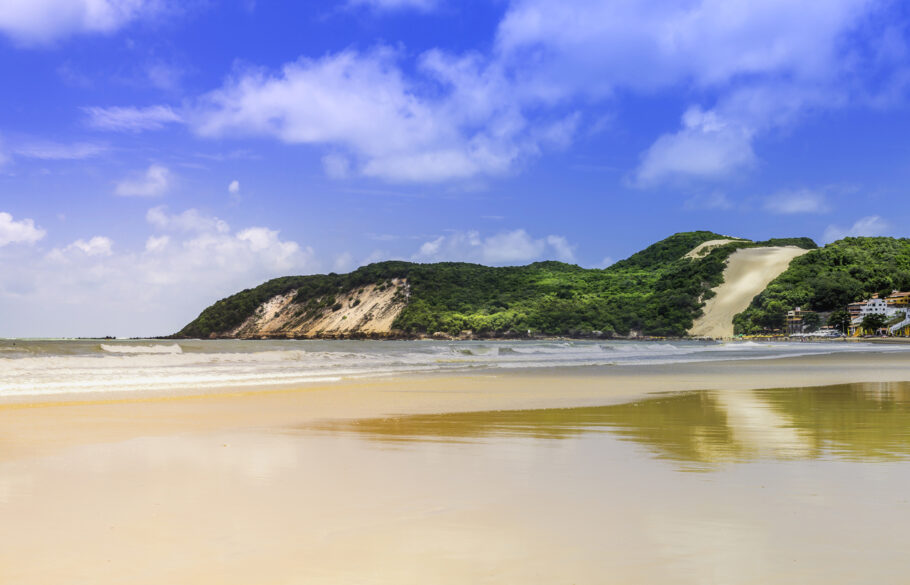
(157, 155)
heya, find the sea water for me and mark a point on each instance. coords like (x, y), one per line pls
(47, 367)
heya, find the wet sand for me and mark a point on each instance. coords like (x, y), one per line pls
(475, 478)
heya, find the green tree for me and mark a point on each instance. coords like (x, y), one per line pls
(840, 320)
(811, 322)
(873, 322)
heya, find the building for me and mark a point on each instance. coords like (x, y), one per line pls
(898, 300)
(897, 303)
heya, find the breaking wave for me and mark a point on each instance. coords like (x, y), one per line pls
(74, 366)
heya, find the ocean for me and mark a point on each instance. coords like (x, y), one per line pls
(48, 367)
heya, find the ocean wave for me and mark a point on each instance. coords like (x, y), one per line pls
(83, 366)
(118, 348)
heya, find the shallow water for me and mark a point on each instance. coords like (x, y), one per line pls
(49, 367)
(796, 485)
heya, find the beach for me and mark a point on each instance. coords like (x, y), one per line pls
(775, 467)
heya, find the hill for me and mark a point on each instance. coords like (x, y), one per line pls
(827, 279)
(658, 291)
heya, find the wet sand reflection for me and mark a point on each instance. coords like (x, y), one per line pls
(696, 429)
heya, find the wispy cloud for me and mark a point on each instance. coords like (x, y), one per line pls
(798, 201)
(388, 5)
(38, 22)
(131, 119)
(872, 225)
(503, 248)
(60, 151)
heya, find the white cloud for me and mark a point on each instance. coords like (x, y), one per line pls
(455, 122)
(190, 220)
(594, 47)
(799, 201)
(58, 151)
(234, 187)
(872, 225)
(155, 181)
(564, 251)
(503, 248)
(767, 62)
(18, 232)
(606, 262)
(707, 147)
(421, 5)
(343, 262)
(131, 119)
(95, 246)
(157, 243)
(32, 22)
(132, 292)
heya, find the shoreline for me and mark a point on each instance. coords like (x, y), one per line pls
(37, 424)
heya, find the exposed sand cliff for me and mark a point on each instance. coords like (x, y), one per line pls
(369, 311)
(748, 272)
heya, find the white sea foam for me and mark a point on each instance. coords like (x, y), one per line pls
(125, 348)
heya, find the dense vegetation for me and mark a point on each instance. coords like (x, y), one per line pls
(655, 292)
(829, 278)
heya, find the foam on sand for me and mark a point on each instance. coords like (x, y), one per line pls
(748, 272)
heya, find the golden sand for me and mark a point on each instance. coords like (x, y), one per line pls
(334, 484)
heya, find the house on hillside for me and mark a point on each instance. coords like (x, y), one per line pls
(895, 305)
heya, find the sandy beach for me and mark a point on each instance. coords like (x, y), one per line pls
(287, 486)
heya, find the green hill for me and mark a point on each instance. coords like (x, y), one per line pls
(656, 291)
(827, 279)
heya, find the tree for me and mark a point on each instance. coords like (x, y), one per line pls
(811, 321)
(873, 322)
(839, 319)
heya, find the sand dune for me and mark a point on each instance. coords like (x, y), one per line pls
(748, 272)
(705, 247)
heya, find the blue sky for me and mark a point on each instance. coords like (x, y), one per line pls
(158, 155)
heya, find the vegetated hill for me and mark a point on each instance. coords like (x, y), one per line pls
(654, 292)
(829, 278)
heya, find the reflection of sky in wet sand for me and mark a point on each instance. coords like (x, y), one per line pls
(697, 429)
(817, 495)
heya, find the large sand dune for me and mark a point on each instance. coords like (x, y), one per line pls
(748, 272)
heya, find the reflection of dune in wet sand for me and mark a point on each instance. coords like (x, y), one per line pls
(703, 427)
(748, 272)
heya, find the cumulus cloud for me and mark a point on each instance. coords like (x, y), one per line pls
(18, 232)
(503, 248)
(799, 201)
(454, 123)
(234, 187)
(153, 290)
(95, 246)
(594, 47)
(707, 147)
(767, 62)
(872, 225)
(32, 22)
(155, 181)
(130, 119)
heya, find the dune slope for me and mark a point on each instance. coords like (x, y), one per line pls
(748, 272)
